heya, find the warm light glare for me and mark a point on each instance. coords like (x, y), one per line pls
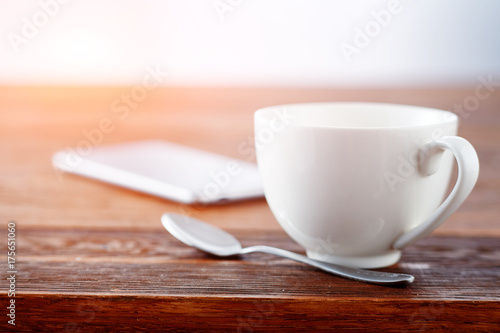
(82, 48)
(258, 42)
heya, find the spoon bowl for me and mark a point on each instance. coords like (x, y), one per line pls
(201, 235)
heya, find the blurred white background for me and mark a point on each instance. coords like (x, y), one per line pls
(250, 42)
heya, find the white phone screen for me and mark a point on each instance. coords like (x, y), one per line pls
(167, 170)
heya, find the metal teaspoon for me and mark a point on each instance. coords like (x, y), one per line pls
(210, 239)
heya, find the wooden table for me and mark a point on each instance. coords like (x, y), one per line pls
(94, 257)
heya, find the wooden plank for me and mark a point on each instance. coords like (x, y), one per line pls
(150, 263)
(144, 281)
(94, 257)
(77, 313)
(35, 122)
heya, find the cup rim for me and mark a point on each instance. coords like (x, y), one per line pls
(447, 117)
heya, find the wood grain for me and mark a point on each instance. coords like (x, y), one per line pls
(147, 280)
(94, 257)
(36, 122)
(443, 266)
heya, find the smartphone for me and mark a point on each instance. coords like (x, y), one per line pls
(166, 170)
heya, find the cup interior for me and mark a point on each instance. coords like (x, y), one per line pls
(358, 115)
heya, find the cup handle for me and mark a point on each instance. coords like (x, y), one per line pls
(468, 171)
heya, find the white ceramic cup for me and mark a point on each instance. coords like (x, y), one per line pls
(354, 183)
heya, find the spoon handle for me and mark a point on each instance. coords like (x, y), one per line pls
(344, 271)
